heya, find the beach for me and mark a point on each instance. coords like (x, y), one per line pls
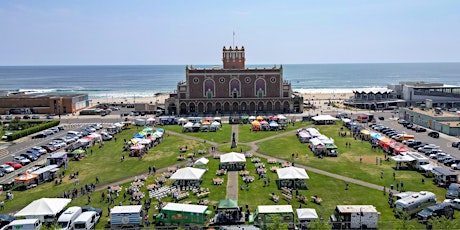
(316, 98)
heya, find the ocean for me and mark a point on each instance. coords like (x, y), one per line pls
(146, 81)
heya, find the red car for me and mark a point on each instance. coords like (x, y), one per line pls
(16, 166)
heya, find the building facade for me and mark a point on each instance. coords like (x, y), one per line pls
(233, 89)
(43, 103)
(416, 93)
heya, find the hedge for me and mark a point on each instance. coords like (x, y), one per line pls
(33, 130)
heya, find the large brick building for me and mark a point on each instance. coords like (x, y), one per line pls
(233, 89)
(43, 103)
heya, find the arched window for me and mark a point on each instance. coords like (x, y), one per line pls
(260, 88)
(209, 88)
(235, 88)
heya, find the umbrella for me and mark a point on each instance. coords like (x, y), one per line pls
(78, 151)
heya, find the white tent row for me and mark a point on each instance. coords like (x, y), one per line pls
(324, 118)
(292, 173)
(188, 173)
(402, 158)
(313, 132)
(201, 161)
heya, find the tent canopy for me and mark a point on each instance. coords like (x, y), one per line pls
(232, 157)
(43, 207)
(292, 173)
(201, 161)
(228, 204)
(25, 177)
(307, 214)
(324, 118)
(188, 173)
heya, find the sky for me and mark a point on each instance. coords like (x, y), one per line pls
(151, 32)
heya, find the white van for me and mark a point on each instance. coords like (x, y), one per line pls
(87, 220)
(24, 224)
(67, 218)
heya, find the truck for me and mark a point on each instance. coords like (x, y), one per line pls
(265, 215)
(175, 214)
(365, 117)
(410, 205)
(128, 216)
(354, 217)
(419, 161)
(404, 137)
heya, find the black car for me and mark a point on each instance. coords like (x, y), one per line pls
(451, 161)
(88, 208)
(433, 134)
(332, 153)
(420, 129)
(2, 173)
(30, 156)
(381, 118)
(414, 143)
(409, 126)
(438, 210)
(456, 144)
(6, 219)
(40, 135)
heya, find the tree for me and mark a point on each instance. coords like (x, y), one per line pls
(403, 223)
(277, 224)
(443, 223)
(319, 225)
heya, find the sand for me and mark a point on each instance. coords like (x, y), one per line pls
(315, 98)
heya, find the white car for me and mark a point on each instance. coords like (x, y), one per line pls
(22, 160)
(455, 166)
(6, 168)
(455, 203)
(39, 149)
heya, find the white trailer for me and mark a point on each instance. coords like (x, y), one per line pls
(354, 217)
(419, 161)
(123, 217)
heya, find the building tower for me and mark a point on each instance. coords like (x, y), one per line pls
(233, 58)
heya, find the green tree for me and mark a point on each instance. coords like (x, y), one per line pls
(319, 225)
(403, 223)
(443, 223)
(276, 225)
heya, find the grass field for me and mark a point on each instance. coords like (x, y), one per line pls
(105, 163)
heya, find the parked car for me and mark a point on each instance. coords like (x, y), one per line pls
(6, 219)
(88, 208)
(22, 160)
(332, 153)
(381, 118)
(48, 132)
(35, 152)
(36, 117)
(433, 134)
(39, 149)
(13, 164)
(49, 148)
(6, 168)
(30, 156)
(26, 117)
(419, 129)
(456, 144)
(1, 175)
(455, 203)
(39, 135)
(438, 210)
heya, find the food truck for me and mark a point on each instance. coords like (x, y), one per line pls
(267, 214)
(354, 217)
(175, 214)
(124, 217)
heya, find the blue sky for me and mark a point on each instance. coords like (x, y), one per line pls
(139, 32)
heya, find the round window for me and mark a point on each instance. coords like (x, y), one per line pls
(273, 79)
(196, 80)
(247, 79)
(222, 80)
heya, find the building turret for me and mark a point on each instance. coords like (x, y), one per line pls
(233, 58)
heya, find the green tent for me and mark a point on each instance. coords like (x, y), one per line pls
(228, 204)
(331, 146)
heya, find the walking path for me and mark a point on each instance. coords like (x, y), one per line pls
(232, 178)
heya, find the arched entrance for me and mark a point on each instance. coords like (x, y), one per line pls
(252, 106)
(260, 106)
(209, 108)
(201, 107)
(277, 106)
(286, 107)
(244, 106)
(226, 107)
(183, 108)
(235, 107)
(192, 107)
(218, 107)
(172, 108)
(269, 106)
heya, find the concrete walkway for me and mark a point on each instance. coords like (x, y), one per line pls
(232, 185)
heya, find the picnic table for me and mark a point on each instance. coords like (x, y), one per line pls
(316, 200)
(302, 198)
(244, 172)
(274, 197)
(261, 171)
(286, 190)
(183, 149)
(138, 195)
(203, 202)
(153, 186)
(172, 169)
(274, 168)
(217, 181)
(180, 158)
(221, 172)
(216, 155)
(271, 161)
(203, 194)
(248, 155)
(287, 164)
(260, 165)
(201, 151)
(192, 154)
(115, 188)
(137, 183)
(255, 160)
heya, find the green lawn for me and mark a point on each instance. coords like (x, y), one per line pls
(105, 163)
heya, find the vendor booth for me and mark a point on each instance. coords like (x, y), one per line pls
(305, 216)
(232, 161)
(255, 126)
(46, 174)
(57, 158)
(292, 177)
(188, 178)
(400, 159)
(324, 120)
(228, 212)
(45, 209)
(26, 181)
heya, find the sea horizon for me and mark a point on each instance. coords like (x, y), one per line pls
(128, 81)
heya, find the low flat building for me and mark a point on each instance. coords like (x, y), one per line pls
(43, 103)
(435, 119)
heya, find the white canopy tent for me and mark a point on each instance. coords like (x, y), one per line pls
(188, 125)
(201, 161)
(43, 207)
(324, 118)
(305, 214)
(188, 173)
(232, 157)
(292, 173)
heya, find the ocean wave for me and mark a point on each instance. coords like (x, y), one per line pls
(337, 90)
